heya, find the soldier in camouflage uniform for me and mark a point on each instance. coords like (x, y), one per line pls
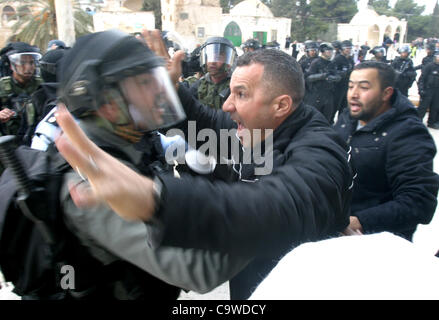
(17, 112)
(216, 59)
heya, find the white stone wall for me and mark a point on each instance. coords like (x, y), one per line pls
(249, 24)
(368, 27)
(129, 22)
(188, 16)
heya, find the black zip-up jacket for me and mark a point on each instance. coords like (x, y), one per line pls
(396, 187)
(305, 198)
(429, 78)
(343, 66)
(405, 71)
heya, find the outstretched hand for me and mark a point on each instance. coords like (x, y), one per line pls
(154, 41)
(110, 181)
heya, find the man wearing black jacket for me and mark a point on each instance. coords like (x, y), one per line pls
(261, 215)
(343, 65)
(405, 71)
(396, 187)
(321, 80)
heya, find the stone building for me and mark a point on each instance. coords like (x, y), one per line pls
(253, 19)
(193, 20)
(123, 15)
(196, 20)
(8, 19)
(368, 27)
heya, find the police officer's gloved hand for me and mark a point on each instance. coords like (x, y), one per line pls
(332, 78)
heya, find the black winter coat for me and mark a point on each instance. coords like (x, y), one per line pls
(405, 72)
(396, 187)
(305, 198)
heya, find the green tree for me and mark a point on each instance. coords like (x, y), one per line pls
(434, 23)
(326, 12)
(417, 25)
(226, 5)
(406, 9)
(36, 22)
(155, 6)
(382, 7)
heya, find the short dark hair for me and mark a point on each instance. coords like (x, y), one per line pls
(386, 74)
(282, 73)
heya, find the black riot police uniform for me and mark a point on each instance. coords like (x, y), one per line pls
(306, 60)
(428, 86)
(428, 58)
(343, 66)
(321, 79)
(406, 74)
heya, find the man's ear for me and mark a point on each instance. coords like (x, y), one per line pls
(283, 106)
(387, 94)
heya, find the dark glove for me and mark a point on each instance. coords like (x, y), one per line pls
(316, 77)
(332, 78)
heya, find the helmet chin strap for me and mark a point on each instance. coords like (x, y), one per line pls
(124, 126)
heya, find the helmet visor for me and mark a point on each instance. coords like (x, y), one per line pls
(152, 100)
(25, 63)
(24, 58)
(217, 52)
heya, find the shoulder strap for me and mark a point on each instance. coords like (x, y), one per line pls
(5, 86)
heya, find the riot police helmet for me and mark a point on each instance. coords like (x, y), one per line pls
(326, 46)
(251, 45)
(336, 44)
(115, 68)
(404, 48)
(49, 63)
(23, 58)
(218, 49)
(346, 44)
(378, 51)
(311, 45)
(431, 46)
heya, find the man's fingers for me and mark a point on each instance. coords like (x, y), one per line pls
(82, 195)
(177, 58)
(154, 41)
(77, 159)
(74, 133)
(175, 68)
(75, 146)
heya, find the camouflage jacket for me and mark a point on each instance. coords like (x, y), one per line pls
(209, 93)
(18, 98)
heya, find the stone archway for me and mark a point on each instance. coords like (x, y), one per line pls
(397, 37)
(373, 35)
(8, 14)
(387, 33)
(233, 33)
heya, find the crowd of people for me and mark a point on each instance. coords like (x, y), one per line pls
(138, 223)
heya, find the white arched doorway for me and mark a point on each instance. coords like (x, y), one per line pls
(387, 33)
(373, 36)
(8, 14)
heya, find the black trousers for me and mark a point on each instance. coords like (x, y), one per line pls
(430, 100)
